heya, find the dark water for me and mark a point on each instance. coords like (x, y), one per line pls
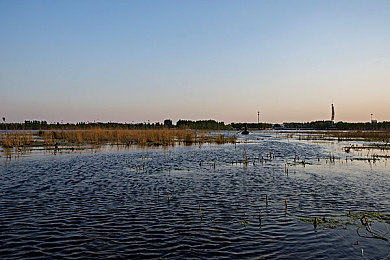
(114, 204)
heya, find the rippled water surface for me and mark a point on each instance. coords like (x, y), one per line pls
(193, 202)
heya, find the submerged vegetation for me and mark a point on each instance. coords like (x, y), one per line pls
(375, 136)
(363, 221)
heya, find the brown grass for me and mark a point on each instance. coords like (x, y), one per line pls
(99, 136)
(16, 139)
(126, 137)
(165, 137)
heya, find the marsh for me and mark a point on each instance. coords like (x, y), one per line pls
(199, 201)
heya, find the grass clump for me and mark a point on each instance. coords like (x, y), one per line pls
(16, 139)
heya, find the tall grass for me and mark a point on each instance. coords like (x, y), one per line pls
(100, 136)
(164, 137)
(16, 139)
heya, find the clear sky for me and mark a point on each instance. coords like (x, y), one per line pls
(136, 61)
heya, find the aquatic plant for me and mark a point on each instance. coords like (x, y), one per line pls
(245, 221)
(48, 138)
(164, 137)
(245, 156)
(16, 139)
(369, 135)
(370, 216)
(101, 136)
(326, 222)
(359, 220)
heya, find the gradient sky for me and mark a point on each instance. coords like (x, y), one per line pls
(136, 61)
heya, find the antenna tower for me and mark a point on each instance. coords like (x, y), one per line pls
(332, 113)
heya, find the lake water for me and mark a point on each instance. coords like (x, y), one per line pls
(144, 203)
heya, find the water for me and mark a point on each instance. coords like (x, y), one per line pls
(114, 203)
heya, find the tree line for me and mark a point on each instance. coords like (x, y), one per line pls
(197, 125)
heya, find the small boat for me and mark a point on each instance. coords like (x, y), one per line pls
(245, 132)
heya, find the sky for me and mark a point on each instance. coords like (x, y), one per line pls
(140, 61)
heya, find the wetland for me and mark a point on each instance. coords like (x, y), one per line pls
(271, 194)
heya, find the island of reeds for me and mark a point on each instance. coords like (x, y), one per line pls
(99, 136)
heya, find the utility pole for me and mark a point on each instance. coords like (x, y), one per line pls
(371, 117)
(258, 117)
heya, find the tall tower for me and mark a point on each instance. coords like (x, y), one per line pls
(258, 117)
(332, 119)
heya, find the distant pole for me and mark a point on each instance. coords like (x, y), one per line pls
(258, 117)
(371, 117)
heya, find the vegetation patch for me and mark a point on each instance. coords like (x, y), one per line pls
(99, 136)
(363, 221)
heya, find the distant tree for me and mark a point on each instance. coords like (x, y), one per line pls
(168, 123)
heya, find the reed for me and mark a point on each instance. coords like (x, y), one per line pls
(100, 136)
(164, 137)
(245, 156)
(7, 140)
(48, 138)
(27, 138)
(16, 139)
(245, 221)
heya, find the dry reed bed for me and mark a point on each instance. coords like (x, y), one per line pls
(16, 139)
(99, 136)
